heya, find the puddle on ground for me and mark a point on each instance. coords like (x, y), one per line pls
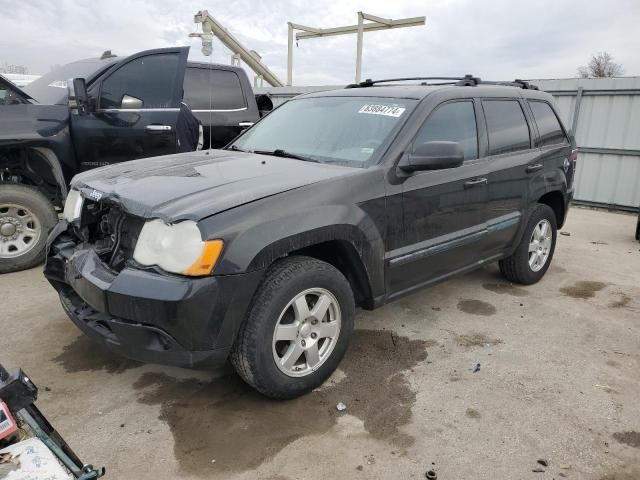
(472, 413)
(476, 307)
(226, 420)
(508, 288)
(476, 340)
(84, 355)
(621, 302)
(630, 438)
(583, 289)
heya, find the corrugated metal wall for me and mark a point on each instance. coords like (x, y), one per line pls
(606, 116)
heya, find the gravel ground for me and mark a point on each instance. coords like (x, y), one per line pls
(557, 381)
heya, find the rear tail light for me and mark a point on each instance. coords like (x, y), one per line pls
(574, 158)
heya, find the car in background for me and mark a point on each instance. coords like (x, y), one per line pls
(115, 109)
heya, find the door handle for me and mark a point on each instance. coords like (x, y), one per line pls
(475, 182)
(245, 124)
(534, 168)
(158, 128)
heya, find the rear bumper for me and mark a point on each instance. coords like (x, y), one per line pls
(145, 315)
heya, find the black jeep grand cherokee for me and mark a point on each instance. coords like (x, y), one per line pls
(261, 251)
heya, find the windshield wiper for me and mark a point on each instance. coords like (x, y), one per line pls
(278, 152)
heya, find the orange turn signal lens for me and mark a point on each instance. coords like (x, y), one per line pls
(207, 260)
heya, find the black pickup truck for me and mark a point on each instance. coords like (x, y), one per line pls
(127, 108)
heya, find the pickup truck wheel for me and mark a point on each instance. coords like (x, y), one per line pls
(532, 258)
(297, 329)
(25, 219)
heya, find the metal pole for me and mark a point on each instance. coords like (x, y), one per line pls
(359, 47)
(576, 112)
(290, 56)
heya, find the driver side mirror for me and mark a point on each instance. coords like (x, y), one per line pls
(433, 156)
(78, 96)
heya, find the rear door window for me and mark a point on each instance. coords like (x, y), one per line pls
(549, 127)
(452, 122)
(209, 89)
(506, 126)
(151, 78)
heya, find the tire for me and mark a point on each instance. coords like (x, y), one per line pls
(23, 211)
(517, 267)
(255, 350)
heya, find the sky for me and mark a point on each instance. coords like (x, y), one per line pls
(492, 39)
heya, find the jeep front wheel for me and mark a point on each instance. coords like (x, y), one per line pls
(297, 329)
(25, 219)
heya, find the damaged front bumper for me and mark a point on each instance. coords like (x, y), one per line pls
(146, 315)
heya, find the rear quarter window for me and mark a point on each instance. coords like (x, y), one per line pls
(210, 89)
(549, 128)
(506, 126)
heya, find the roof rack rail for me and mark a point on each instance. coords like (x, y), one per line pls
(466, 81)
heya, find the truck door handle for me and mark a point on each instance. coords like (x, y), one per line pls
(534, 168)
(475, 182)
(245, 124)
(158, 128)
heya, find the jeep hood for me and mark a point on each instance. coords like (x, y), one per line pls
(199, 184)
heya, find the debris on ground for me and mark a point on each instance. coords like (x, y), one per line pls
(566, 234)
(543, 462)
(360, 468)
(477, 369)
(538, 470)
(8, 463)
(371, 460)
(562, 474)
(431, 475)
(565, 466)
(341, 407)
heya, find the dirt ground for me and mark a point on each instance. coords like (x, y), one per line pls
(474, 378)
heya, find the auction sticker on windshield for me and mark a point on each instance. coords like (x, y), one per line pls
(386, 110)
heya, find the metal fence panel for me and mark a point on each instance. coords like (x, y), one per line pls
(607, 134)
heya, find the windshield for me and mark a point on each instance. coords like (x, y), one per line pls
(51, 88)
(349, 130)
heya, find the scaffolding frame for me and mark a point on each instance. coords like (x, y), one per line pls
(375, 23)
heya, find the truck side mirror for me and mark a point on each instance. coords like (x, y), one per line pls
(78, 96)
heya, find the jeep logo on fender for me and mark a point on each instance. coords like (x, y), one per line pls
(96, 195)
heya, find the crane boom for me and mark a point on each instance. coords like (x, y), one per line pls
(211, 26)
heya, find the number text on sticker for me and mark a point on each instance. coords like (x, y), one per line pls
(387, 110)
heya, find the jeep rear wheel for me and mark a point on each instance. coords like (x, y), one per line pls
(533, 255)
(297, 329)
(25, 219)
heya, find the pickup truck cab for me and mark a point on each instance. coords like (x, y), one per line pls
(129, 110)
(260, 252)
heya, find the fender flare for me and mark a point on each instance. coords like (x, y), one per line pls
(52, 159)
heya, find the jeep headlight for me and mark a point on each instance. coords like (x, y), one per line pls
(72, 206)
(176, 248)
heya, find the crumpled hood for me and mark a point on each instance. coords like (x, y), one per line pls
(199, 184)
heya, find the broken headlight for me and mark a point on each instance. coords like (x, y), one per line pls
(176, 248)
(72, 206)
